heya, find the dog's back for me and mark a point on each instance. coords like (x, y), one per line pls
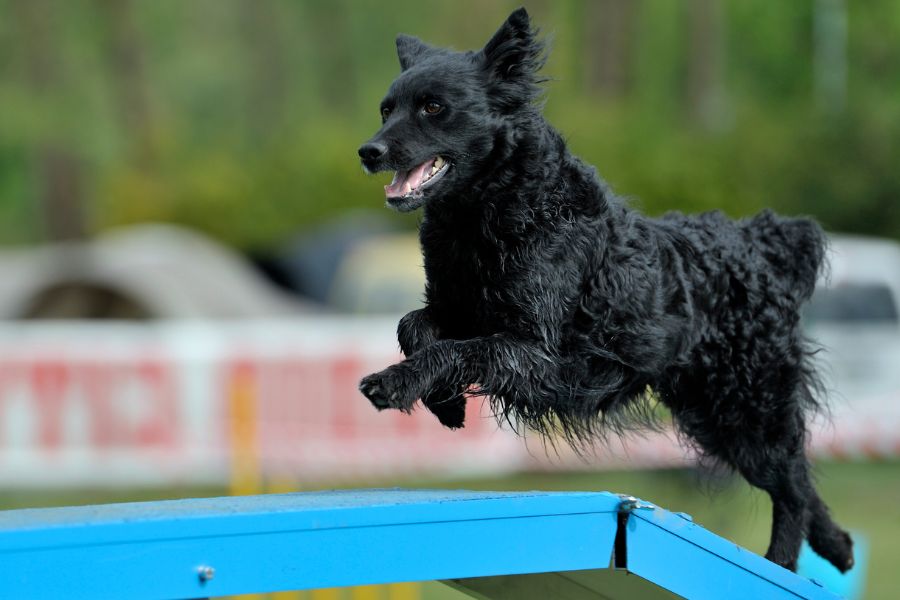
(767, 252)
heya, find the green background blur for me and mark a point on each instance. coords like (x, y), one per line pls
(242, 117)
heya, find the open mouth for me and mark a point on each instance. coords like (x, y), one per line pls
(411, 183)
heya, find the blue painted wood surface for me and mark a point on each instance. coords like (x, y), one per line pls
(683, 557)
(326, 539)
(297, 541)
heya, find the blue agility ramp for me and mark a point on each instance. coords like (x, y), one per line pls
(489, 545)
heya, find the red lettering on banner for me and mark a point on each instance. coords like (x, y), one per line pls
(146, 419)
(57, 386)
(277, 404)
(159, 423)
(49, 381)
(97, 383)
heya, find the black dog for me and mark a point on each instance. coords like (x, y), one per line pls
(568, 310)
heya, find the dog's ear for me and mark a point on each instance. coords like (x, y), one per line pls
(514, 55)
(410, 49)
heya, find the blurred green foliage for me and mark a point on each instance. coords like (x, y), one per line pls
(242, 117)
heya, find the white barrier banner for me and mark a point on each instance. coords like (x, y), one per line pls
(190, 403)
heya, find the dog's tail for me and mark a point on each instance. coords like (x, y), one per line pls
(795, 249)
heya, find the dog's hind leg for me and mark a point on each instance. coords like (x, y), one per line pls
(825, 537)
(790, 506)
(761, 438)
(776, 471)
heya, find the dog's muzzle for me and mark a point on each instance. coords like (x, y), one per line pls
(371, 153)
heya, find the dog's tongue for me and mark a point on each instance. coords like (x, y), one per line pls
(406, 181)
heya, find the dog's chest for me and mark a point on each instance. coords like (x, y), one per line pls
(468, 284)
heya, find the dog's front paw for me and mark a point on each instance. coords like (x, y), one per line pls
(391, 388)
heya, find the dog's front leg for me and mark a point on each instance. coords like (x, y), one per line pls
(501, 365)
(416, 330)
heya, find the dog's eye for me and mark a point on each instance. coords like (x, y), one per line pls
(385, 113)
(432, 108)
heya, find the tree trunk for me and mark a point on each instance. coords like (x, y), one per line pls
(60, 185)
(265, 66)
(609, 44)
(126, 64)
(705, 60)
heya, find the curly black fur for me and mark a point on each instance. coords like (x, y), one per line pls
(569, 311)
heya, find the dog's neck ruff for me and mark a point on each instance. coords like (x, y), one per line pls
(406, 183)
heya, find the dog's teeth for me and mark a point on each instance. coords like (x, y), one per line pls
(438, 163)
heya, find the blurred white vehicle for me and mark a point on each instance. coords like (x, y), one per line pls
(863, 285)
(855, 316)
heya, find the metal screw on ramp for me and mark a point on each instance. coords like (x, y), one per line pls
(205, 573)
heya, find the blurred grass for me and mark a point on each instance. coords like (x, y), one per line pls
(863, 498)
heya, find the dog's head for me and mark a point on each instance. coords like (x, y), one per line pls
(444, 114)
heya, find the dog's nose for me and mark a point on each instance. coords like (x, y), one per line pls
(372, 150)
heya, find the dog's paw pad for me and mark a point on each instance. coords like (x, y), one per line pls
(845, 560)
(371, 388)
(387, 390)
